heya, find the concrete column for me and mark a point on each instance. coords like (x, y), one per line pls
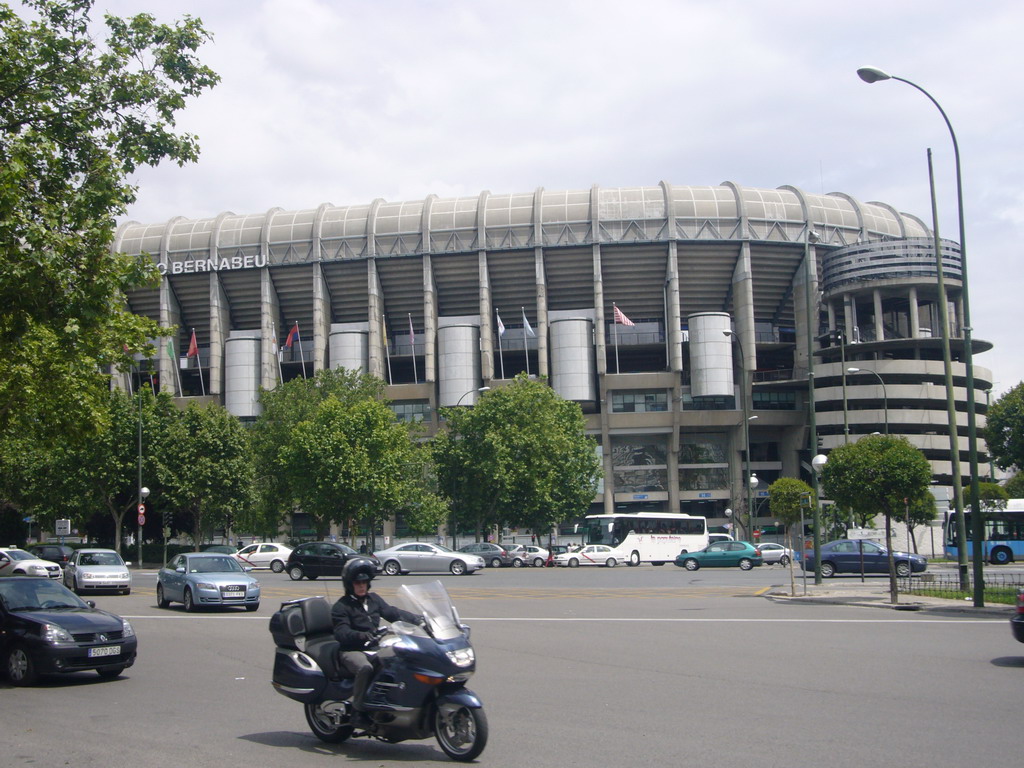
(486, 319)
(321, 318)
(170, 315)
(375, 312)
(220, 326)
(599, 323)
(540, 282)
(743, 304)
(849, 318)
(915, 321)
(799, 292)
(270, 312)
(879, 324)
(673, 320)
(429, 321)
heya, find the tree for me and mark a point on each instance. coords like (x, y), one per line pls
(877, 474)
(1014, 487)
(204, 466)
(284, 408)
(520, 456)
(1004, 429)
(77, 117)
(791, 501)
(349, 461)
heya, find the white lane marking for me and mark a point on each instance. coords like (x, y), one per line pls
(631, 619)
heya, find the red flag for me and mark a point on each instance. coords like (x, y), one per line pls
(293, 334)
(193, 347)
(620, 318)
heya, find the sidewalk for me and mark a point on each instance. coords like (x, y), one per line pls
(875, 594)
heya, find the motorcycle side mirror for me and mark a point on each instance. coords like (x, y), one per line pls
(465, 630)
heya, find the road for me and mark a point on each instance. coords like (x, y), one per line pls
(627, 666)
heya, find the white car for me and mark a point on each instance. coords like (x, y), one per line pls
(91, 570)
(592, 554)
(518, 554)
(537, 556)
(18, 562)
(264, 555)
(775, 553)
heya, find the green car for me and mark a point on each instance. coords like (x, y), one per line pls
(721, 554)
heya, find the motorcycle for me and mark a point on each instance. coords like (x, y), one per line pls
(418, 688)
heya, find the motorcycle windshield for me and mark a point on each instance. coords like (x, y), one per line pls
(432, 600)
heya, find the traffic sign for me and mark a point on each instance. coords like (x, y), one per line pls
(142, 509)
(142, 518)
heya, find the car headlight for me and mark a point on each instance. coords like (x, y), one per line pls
(254, 585)
(128, 629)
(205, 585)
(55, 634)
(462, 657)
(37, 570)
(88, 576)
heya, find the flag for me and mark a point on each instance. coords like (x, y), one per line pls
(620, 318)
(293, 334)
(193, 347)
(273, 338)
(501, 325)
(170, 348)
(527, 328)
(412, 334)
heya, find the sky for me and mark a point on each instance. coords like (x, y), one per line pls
(344, 102)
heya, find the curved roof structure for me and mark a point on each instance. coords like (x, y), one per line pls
(542, 218)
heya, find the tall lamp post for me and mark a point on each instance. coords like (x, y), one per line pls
(885, 396)
(745, 400)
(818, 465)
(874, 75)
(752, 482)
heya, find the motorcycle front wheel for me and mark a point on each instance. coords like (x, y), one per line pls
(462, 734)
(324, 727)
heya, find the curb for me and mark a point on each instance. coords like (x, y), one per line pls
(935, 605)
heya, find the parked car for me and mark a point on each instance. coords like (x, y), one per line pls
(713, 537)
(721, 554)
(419, 557)
(320, 558)
(18, 562)
(553, 551)
(495, 556)
(772, 553)
(47, 629)
(1017, 622)
(264, 555)
(198, 579)
(537, 556)
(845, 556)
(91, 570)
(518, 553)
(55, 553)
(592, 554)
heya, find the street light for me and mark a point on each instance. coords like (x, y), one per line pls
(745, 401)
(752, 483)
(818, 465)
(478, 389)
(874, 75)
(885, 396)
(143, 495)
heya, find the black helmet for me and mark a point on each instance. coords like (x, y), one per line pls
(357, 569)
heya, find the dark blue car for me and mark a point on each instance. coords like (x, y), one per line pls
(850, 555)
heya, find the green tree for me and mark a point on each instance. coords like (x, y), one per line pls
(519, 457)
(205, 470)
(1004, 429)
(77, 117)
(877, 474)
(349, 461)
(791, 501)
(1015, 486)
(284, 408)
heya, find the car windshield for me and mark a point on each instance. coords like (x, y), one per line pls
(443, 548)
(213, 565)
(20, 554)
(100, 558)
(36, 595)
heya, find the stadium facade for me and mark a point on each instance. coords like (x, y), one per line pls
(716, 286)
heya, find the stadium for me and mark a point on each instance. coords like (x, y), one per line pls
(687, 321)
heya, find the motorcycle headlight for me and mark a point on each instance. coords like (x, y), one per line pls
(462, 657)
(55, 634)
(128, 629)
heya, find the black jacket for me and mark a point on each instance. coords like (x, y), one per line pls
(355, 623)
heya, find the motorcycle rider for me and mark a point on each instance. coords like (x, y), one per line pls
(356, 616)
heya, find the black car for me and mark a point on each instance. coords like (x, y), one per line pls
(321, 558)
(1017, 622)
(55, 553)
(45, 628)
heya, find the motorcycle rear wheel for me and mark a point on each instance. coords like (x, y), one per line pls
(462, 735)
(323, 725)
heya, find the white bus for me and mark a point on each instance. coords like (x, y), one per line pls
(647, 537)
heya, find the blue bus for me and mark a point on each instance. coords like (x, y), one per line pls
(1004, 534)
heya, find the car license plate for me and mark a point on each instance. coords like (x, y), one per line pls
(106, 650)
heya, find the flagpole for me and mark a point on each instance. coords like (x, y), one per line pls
(302, 357)
(412, 344)
(199, 363)
(615, 325)
(387, 347)
(501, 355)
(526, 351)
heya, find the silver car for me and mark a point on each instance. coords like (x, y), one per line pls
(772, 553)
(196, 579)
(91, 570)
(420, 557)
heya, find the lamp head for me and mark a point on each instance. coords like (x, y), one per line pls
(144, 492)
(872, 74)
(754, 482)
(818, 463)
(728, 332)
(853, 370)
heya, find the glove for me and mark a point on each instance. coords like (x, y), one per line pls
(369, 638)
(420, 620)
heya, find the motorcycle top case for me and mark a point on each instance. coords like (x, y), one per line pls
(287, 624)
